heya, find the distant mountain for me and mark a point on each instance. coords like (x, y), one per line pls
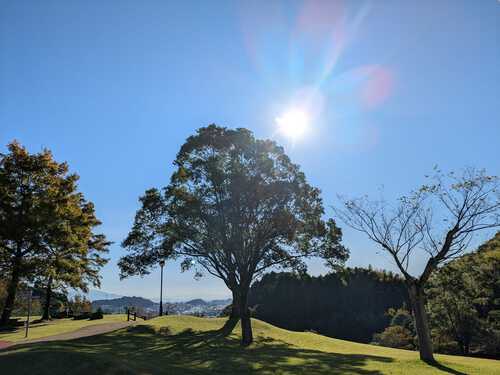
(121, 304)
(196, 302)
(197, 307)
(193, 307)
(99, 295)
(93, 295)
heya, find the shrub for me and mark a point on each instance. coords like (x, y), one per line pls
(59, 315)
(394, 337)
(85, 315)
(97, 314)
(165, 331)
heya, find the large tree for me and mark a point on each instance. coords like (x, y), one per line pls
(40, 210)
(436, 223)
(235, 206)
(73, 252)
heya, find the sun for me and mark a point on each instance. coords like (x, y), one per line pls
(294, 123)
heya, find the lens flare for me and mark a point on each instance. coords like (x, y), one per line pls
(293, 124)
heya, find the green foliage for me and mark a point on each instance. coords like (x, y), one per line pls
(235, 206)
(98, 314)
(395, 337)
(402, 317)
(29, 198)
(401, 331)
(146, 242)
(58, 304)
(79, 305)
(463, 301)
(46, 225)
(82, 316)
(351, 304)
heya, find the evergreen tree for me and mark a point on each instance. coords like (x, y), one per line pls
(41, 214)
(350, 304)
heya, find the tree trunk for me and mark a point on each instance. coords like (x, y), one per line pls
(11, 292)
(421, 324)
(48, 295)
(235, 307)
(246, 324)
(461, 347)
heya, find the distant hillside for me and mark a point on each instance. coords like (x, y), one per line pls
(351, 304)
(94, 295)
(197, 307)
(122, 303)
(192, 307)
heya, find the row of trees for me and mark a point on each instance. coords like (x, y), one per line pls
(350, 304)
(61, 305)
(462, 300)
(236, 206)
(47, 228)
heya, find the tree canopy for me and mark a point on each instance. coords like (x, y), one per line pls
(46, 225)
(235, 206)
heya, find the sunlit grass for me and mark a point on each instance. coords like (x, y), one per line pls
(55, 327)
(190, 345)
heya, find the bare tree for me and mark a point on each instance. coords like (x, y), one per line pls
(438, 221)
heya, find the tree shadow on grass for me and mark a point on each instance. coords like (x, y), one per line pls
(19, 327)
(444, 368)
(142, 349)
(13, 325)
(187, 352)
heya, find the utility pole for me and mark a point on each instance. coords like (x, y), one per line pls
(162, 263)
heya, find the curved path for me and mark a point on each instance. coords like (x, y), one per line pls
(93, 330)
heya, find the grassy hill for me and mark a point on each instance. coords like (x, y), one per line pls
(189, 345)
(56, 327)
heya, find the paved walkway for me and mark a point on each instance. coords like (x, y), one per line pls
(97, 329)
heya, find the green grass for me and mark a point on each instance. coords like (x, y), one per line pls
(55, 327)
(189, 345)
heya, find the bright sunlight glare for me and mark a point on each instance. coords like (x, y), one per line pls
(293, 124)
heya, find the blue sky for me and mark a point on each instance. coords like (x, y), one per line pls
(115, 87)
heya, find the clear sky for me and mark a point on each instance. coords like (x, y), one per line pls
(115, 87)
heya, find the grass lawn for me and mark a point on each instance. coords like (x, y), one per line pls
(56, 327)
(189, 345)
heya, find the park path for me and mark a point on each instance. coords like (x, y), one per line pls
(97, 329)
